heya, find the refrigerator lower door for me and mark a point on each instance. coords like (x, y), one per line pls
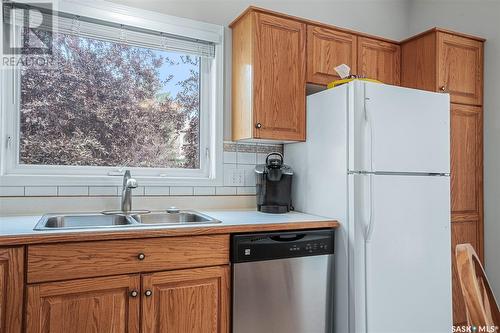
(402, 268)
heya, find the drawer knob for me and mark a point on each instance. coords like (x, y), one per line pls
(134, 293)
(443, 88)
(141, 256)
(148, 293)
(258, 125)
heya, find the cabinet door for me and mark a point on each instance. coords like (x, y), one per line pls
(466, 163)
(11, 289)
(466, 189)
(326, 49)
(461, 232)
(110, 304)
(379, 60)
(460, 63)
(280, 77)
(192, 300)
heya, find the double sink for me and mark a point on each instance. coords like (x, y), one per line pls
(120, 219)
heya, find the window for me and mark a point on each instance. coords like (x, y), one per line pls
(113, 96)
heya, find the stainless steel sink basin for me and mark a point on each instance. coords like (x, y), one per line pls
(180, 217)
(119, 219)
(83, 221)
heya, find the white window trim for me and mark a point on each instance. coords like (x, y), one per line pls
(211, 124)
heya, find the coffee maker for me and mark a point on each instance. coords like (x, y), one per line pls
(274, 185)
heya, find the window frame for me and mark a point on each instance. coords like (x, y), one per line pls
(211, 105)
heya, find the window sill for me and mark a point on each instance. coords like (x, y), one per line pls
(92, 180)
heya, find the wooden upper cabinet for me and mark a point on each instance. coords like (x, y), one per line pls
(466, 163)
(327, 49)
(85, 306)
(279, 73)
(379, 60)
(11, 289)
(440, 60)
(192, 300)
(460, 68)
(269, 76)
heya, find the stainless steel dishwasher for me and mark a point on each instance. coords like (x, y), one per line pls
(283, 282)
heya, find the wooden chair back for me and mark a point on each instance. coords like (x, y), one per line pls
(481, 306)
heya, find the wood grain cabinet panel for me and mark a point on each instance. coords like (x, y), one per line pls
(280, 70)
(379, 60)
(460, 63)
(466, 162)
(65, 261)
(462, 232)
(327, 49)
(194, 301)
(85, 306)
(11, 289)
(269, 76)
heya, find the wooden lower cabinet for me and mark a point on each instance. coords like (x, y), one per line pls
(85, 306)
(180, 301)
(461, 232)
(191, 300)
(11, 289)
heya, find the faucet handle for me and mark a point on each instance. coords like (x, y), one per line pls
(131, 183)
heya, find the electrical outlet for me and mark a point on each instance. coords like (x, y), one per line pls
(237, 177)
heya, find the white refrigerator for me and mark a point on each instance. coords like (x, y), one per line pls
(377, 158)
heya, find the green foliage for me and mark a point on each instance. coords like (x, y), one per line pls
(103, 105)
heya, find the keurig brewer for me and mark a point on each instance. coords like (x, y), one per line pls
(274, 185)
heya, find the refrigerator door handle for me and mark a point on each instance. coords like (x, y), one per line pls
(369, 122)
(369, 227)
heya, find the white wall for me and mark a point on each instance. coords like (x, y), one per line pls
(387, 18)
(482, 18)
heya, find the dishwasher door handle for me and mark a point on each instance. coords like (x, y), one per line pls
(287, 238)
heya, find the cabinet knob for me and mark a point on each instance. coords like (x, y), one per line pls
(443, 88)
(134, 293)
(258, 125)
(148, 293)
(141, 256)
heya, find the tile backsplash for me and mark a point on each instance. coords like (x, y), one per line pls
(239, 179)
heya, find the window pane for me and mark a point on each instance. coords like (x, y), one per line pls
(110, 104)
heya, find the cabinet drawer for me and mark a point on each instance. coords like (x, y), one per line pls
(101, 258)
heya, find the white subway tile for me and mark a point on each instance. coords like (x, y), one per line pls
(103, 191)
(157, 190)
(181, 190)
(247, 158)
(246, 190)
(73, 191)
(204, 190)
(138, 191)
(11, 191)
(225, 190)
(40, 191)
(249, 174)
(229, 157)
(261, 158)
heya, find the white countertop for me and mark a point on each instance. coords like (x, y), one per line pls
(23, 225)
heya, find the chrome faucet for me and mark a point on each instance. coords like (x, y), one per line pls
(129, 183)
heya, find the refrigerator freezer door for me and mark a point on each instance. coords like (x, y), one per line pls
(399, 130)
(407, 255)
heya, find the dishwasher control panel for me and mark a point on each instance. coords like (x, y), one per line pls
(281, 245)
